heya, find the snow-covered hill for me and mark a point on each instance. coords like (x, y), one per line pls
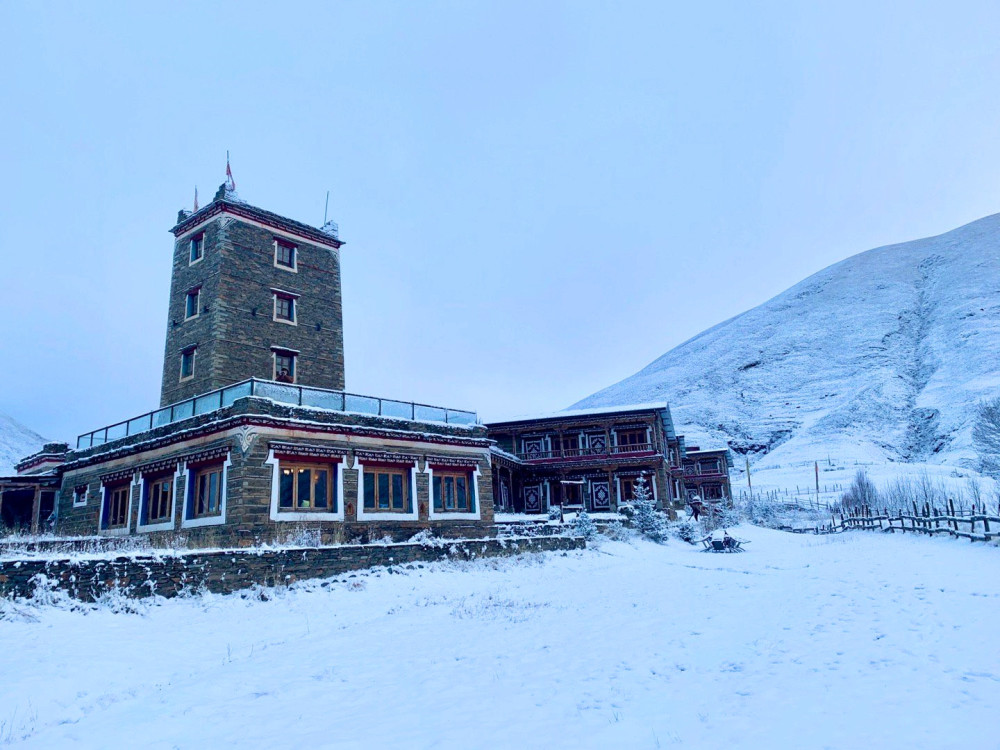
(879, 358)
(16, 442)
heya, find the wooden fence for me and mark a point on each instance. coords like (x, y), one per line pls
(974, 524)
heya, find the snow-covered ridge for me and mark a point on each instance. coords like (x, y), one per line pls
(881, 357)
(16, 442)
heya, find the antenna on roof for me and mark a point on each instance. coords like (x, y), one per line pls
(326, 208)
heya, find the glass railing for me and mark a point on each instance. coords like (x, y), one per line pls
(282, 393)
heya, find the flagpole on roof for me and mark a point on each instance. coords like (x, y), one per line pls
(231, 183)
(195, 197)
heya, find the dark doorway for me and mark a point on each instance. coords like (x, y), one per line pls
(16, 509)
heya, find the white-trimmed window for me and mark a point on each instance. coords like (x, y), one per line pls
(286, 255)
(80, 496)
(452, 491)
(192, 303)
(307, 487)
(116, 505)
(187, 362)
(285, 305)
(158, 499)
(626, 486)
(196, 248)
(285, 365)
(387, 489)
(206, 491)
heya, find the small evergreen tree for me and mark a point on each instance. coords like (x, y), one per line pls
(687, 530)
(647, 519)
(583, 525)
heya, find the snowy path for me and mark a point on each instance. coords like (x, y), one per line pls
(850, 641)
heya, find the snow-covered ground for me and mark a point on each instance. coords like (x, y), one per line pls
(856, 640)
(796, 481)
(879, 359)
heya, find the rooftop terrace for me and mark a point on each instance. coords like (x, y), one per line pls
(282, 393)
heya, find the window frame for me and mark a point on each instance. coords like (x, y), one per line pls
(293, 305)
(78, 492)
(116, 496)
(630, 483)
(296, 466)
(632, 431)
(155, 482)
(335, 463)
(409, 470)
(471, 472)
(193, 351)
(390, 472)
(293, 356)
(198, 238)
(294, 255)
(196, 291)
(438, 483)
(194, 484)
(189, 472)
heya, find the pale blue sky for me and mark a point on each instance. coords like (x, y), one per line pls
(538, 198)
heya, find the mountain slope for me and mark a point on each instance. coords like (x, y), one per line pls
(16, 442)
(881, 357)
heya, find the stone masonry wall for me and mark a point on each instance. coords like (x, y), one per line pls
(235, 329)
(232, 570)
(247, 330)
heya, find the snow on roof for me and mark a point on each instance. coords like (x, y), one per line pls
(569, 413)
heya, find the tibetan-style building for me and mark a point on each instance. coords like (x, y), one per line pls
(706, 475)
(592, 458)
(255, 436)
(588, 458)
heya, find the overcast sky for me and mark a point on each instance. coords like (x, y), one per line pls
(538, 199)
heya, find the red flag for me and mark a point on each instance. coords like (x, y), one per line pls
(230, 182)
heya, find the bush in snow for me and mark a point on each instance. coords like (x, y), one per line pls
(687, 530)
(760, 511)
(617, 531)
(555, 513)
(729, 516)
(583, 525)
(646, 519)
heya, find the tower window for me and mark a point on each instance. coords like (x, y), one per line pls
(284, 366)
(284, 307)
(192, 304)
(197, 248)
(285, 255)
(187, 362)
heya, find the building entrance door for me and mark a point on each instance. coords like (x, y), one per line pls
(600, 496)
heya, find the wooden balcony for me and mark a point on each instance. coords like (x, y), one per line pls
(583, 454)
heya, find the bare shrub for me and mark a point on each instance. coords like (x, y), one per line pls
(986, 437)
(861, 493)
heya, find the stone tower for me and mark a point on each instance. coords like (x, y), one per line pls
(253, 294)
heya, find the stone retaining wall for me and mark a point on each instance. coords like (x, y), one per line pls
(169, 574)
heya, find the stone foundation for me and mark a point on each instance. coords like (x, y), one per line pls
(169, 574)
